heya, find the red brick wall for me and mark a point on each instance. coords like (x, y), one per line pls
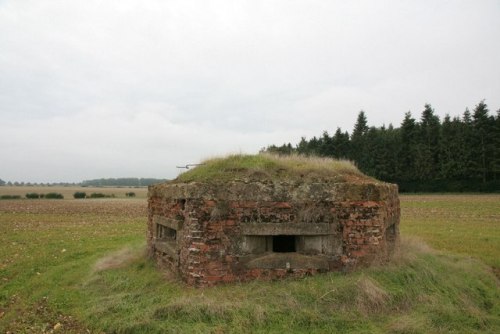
(209, 241)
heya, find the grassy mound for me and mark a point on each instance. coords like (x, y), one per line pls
(421, 291)
(267, 166)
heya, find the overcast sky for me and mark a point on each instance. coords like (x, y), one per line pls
(92, 89)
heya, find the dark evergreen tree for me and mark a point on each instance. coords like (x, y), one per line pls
(341, 144)
(393, 146)
(314, 145)
(326, 148)
(358, 141)
(303, 146)
(452, 150)
(427, 153)
(361, 126)
(483, 149)
(378, 153)
(496, 140)
(467, 129)
(408, 135)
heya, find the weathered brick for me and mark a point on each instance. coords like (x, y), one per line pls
(282, 205)
(210, 247)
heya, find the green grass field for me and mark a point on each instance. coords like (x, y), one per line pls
(75, 266)
(463, 224)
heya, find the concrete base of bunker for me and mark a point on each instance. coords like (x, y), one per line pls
(209, 233)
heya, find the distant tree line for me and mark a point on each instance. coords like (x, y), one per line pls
(122, 182)
(455, 154)
(119, 182)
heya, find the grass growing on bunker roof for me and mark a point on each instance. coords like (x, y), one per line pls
(268, 166)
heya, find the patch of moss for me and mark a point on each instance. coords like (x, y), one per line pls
(269, 167)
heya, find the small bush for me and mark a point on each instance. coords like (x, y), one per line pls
(54, 196)
(97, 195)
(79, 194)
(130, 194)
(32, 195)
(10, 197)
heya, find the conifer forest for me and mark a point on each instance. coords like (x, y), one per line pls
(455, 154)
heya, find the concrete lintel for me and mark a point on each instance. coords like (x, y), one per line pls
(164, 221)
(287, 228)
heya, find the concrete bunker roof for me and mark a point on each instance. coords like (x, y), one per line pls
(273, 168)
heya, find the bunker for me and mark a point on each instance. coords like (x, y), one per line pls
(247, 217)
